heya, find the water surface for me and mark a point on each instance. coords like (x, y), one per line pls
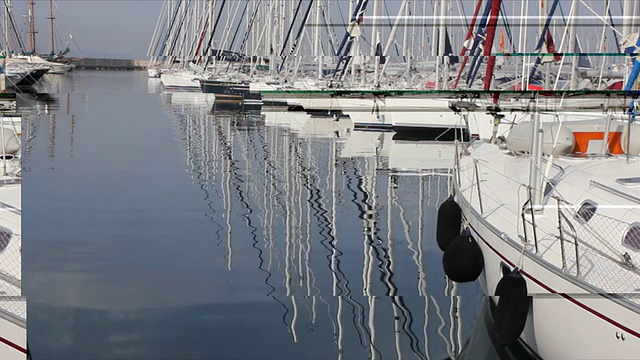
(156, 227)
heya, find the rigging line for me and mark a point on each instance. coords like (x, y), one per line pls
(235, 34)
(395, 44)
(615, 35)
(213, 33)
(175, 40)
(331, 32)
(15, 31)
(248, 32)
(542, 39)
(295, 16)
(303, 26)
(476, 50)
(347, 41)
(600, 17)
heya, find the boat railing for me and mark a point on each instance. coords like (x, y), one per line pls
(12, 303)
(563, 219)
(477, 181)
(529, 208)
(592, 248)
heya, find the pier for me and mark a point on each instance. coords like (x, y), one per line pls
(110, 64)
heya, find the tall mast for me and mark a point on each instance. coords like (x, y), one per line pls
(51, 17)
(32, 27)
(493, 21)
(572, 44)
(10, 26)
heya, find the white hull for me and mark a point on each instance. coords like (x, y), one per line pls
(585, 297)
(576, 324)
(154, 72)
(59, 69)
(181, 81)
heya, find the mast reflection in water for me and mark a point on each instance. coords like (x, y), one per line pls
(345, 247)
(159, 228)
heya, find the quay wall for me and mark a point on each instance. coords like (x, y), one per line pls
(110, 64)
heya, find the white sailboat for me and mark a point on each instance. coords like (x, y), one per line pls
(557, 209)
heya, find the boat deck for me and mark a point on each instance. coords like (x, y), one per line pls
(592, 250)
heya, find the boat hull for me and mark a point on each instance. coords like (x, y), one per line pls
(567, 319)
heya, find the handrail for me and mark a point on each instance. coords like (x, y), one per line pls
(477, 175)
(575, 235)
(564, 263)
(614, 191)
(533, 222)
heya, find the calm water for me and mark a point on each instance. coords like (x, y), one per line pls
(156, 228)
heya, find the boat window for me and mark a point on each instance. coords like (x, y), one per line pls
(632, 237)
(586, 211)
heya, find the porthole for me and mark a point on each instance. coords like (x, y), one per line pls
(631, 237)
(586, 211)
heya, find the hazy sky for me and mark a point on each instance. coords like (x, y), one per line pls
(123, 28)
(114, 28)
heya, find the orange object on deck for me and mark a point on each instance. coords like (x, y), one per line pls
(582, 141)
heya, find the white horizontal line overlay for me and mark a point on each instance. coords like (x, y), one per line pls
(550, 206)
(509, 17)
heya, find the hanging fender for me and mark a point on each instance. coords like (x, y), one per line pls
(448, 222)
(463, 260)
(513, 307)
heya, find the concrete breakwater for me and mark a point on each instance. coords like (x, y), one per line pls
(110, 64)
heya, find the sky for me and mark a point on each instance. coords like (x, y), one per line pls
(113, 29)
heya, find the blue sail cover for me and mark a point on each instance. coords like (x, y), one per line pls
(448, 49)
(583, 60)
(345, 46)
(636, 65)
(383, 59)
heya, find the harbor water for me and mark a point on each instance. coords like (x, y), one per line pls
(158, 226)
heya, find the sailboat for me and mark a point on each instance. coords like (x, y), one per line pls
(554, 207)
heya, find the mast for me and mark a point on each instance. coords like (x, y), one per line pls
(572, 45)
(32, 27)
(493, 20)
(442, 61)
(51, 17)
(467, 43)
